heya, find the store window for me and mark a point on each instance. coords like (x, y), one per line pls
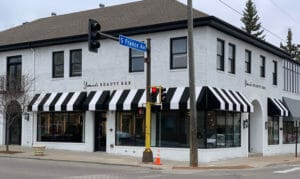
(178, 53)
(219, 130)
(58, 65)
(289, 132)
(247, 61)
(130, 129)
(60, 127)
(273, 130)
(220, 55)
(136, 60)
(172, 129)
(75, 62)
(231, 58)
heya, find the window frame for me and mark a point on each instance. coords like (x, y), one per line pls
(275, 73)
(231, 61)
(71, 63)
(15, 65)
(53, 65)
(262, 66)
(222, 56)
(172, 54)
(130, 61)
(248, 60)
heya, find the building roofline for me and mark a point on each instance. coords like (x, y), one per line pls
(198, 22)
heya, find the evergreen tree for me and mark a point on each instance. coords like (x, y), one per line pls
(290, 47)
(251, 22)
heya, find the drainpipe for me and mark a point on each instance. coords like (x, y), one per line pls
(33, 60)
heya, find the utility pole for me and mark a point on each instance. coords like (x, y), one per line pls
(193, 112)
(147, 154)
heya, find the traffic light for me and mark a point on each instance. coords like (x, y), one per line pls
(163, 94)
(153, 94)
(94, 35)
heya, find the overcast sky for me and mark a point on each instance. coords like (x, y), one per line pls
(275, 15)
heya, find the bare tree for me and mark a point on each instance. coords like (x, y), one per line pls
(14, 98)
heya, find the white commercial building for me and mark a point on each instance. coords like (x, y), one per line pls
(247, 89)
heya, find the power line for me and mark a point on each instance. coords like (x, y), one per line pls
(283, 11)
(270, 32)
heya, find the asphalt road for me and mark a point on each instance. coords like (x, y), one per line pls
(12, 168)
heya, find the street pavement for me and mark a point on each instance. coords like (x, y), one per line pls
(121, 160)
(19, 168)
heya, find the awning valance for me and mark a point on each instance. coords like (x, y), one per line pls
(71, 101)
(276, 107)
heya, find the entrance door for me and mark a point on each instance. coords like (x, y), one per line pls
(100, 131)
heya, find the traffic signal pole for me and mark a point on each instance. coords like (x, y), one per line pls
(147, 154)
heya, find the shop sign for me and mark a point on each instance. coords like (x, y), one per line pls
(254, 85)
(88, 85)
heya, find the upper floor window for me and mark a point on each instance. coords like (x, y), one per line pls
(14, 72)
(274, 73)
(291, 76)
(262, 66)
(220, 55)
(136, 60)
(58, 64)
(231, 58)
(247, 61)
(178, 53)
(75, 62)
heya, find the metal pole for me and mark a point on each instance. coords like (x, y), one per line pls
(193, 112)
(147, 154)
(296, 149)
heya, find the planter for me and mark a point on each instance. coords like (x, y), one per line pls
(39, 150)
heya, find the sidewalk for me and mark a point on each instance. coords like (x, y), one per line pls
(112, 159)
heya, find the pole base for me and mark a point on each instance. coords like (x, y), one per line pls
(147, 156)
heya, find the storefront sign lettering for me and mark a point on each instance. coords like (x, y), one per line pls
(87, 85)
(254, 85)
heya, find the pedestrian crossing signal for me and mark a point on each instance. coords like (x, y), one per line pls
(163, 94)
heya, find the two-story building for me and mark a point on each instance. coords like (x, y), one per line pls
(247, 90)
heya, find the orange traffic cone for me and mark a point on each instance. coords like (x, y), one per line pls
(157, 159)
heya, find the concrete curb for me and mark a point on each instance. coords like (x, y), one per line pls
(149, 166)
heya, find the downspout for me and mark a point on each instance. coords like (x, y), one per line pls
(34, 87)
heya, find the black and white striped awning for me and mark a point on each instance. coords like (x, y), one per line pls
(277, 108)
(71, 101)
(97, 100)
(208, 98)
(128, 99)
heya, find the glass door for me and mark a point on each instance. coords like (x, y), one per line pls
(100, 131)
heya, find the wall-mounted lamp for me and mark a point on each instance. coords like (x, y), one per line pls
(266, 125)
(26, 116)
(245, 123)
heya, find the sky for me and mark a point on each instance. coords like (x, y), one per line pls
(276, 16)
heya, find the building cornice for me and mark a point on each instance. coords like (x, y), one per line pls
(210, 21)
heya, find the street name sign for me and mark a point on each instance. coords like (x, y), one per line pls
(131, 43)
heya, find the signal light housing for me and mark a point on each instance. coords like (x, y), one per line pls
(94, 35)
(153, 94)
